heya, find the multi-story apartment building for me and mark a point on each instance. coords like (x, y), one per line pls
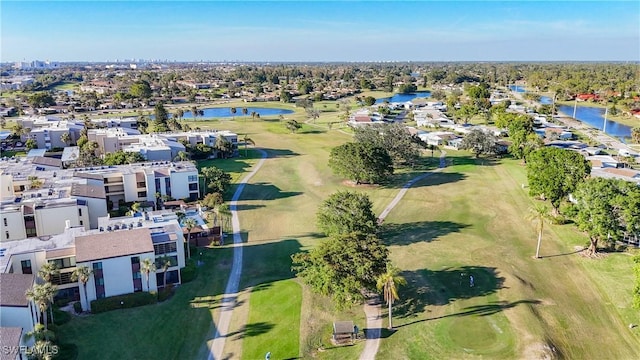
(144, 181)
(37, 201)
(114, 252)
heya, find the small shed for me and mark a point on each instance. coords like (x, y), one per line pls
(343, 331)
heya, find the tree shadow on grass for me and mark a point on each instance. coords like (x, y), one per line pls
(481, 310)
(441, 287)
(251, 330)
(426, 179)
(268, 263)
(265, 191)
(280, 153)
(241, 207)
(409, 233)
(470, 160)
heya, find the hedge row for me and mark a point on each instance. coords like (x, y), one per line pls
(123, 301)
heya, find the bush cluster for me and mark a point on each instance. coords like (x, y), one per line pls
(123, 301)
(189, 272)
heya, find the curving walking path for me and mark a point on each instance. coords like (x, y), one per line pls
(372, 308)
(231, 291)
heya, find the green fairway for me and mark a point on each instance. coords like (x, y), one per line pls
(274, 314)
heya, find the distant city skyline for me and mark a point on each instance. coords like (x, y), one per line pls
(322, 31)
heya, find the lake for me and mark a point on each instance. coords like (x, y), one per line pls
(225, 112)
(595, 117)
(400, 98)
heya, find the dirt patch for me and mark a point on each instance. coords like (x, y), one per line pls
(539, 351)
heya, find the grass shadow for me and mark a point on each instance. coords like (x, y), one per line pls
(480, 310)
(250, 330)
(409, 233)
(441, 287)
(280, 153)
(269, 262)
(470, 160)
(265, 191)
(241, 207)
(428, 179)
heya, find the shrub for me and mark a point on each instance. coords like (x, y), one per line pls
(60, 316)
(62, 302)
(165, 293)
(189, 272)
(123, 302)
(77, 307)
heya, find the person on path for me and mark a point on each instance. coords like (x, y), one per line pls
(470, 280)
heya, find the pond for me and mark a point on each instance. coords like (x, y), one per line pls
(400, 98)
(225, 112)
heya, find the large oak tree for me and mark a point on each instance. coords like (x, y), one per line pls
(554, 173)
(345, 212)
(361, 162)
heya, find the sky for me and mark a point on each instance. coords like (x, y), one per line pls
(315, 31)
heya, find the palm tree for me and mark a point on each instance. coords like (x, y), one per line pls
(42, 296)
(224, 214)
(182, 156)
(245, 111)
(387, 282)
(194, 112)
(223, 146)
(65, 138)
(233, 112)
(189, 224)
(83, 274)
(247, 140)
(41, 350)
(539, 213)
(147, 266)
(46, 273)
(166, 264)
(39, 333)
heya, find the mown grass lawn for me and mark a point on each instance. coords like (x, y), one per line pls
(274, 314)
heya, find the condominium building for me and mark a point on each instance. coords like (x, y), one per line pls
(114, 252)
(37, 201)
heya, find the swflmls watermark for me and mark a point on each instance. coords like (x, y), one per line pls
(29, 350)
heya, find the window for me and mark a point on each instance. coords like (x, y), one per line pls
(137, 275)
(97, 266)
(81, 223)
(100, 281)
(193, 178)
(80, 214)
(26, 266)
(64, 262)
(6, 233)
(142, 194)
(135, 260)
(167, 185)
(193, 187)
(165, 248)
(5, 222)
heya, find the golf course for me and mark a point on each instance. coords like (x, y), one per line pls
(467, 220)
